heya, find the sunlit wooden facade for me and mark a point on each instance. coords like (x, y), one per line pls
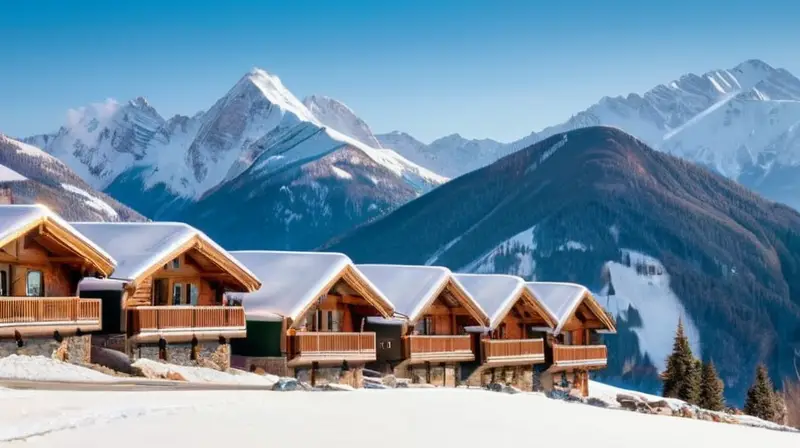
(42, 259)
(308, 317)
(574, 347)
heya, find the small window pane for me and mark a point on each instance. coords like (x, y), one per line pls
(177, 290)
(194, 294)
(35, 284)
(176, 263)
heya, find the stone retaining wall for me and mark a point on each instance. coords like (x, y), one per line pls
(73, 349)
(445, 375)
(208, 354)
(273, 365)
(353, 376)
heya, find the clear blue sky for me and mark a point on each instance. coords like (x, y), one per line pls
(497, 69)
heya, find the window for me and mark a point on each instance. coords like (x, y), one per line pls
(4, 283)
(330, 321)
(34, 284)
(177, 293)
(502, 331)
(194, 293)
(176, 263)
(426, 326)
(160, 292)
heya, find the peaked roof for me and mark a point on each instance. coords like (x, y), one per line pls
(562, 299)
(142, 247)
(291, 281)
(413, 289)
(498, 293)
(16, 220)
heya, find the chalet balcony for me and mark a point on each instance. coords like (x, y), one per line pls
(331, 347)
(508, 352)
(182, 323)
(41, 316)
(583, 356)
(419, 348)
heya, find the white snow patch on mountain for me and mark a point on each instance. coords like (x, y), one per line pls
(572, 245)
(644, 285)
(337, 115)
(522, 245)
(338, 172)
(9, 175)
(92, 201)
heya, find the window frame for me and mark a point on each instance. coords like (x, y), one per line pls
(41, 292)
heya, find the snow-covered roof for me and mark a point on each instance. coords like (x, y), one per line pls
(413, 288)
(138, 246)
(495, 293)
(291, 281)
(18, 218)
(562, 299)
(100, 284)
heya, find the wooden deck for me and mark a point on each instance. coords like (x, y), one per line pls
(41, 316)
(182, 323)
(331, 347)
(580, 356)
(509, 352)
(418, 348)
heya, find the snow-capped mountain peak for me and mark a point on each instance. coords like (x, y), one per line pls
(337, 115)
(274, 91)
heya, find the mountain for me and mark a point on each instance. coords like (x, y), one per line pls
(336, 115)
(34, 176)
(657, 238)
(258, 136)
(449, 156)
(741, 122)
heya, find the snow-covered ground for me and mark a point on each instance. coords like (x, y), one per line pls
(40, 368)
(390, 418)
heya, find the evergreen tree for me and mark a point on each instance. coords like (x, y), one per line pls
(760, 400)
(711, 389)
(682, 377)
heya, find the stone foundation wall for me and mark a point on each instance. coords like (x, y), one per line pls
(73, 349)
(208, 354)
(272, 365)
(521, 377)
(435, 374)
(353, 376)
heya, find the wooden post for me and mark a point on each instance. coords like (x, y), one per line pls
(314, 373)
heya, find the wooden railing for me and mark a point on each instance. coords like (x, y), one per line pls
(513, 348)
(157, 318)
(580, 355)
(45, 314)
(433, 348)
(333, 346)
(438, 344)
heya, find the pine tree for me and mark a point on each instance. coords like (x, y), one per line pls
(682, 377)
(711, 389)
(760, 400)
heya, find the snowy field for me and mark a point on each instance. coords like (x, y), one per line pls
(388, 418)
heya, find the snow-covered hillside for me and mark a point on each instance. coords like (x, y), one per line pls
(37, 177)
(78, 419)
(337, 115)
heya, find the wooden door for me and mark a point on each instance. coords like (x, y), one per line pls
(5, 280)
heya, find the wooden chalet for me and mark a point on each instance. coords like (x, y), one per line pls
(574, 347)
(168, 286)
(518, 325)
(42, 260)
(432, 335)
(308, 317)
